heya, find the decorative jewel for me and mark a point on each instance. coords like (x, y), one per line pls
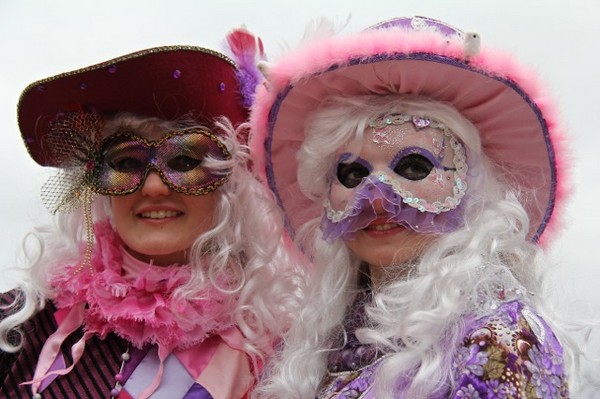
(381, 137)
(387, 120)
(438, 146)
(222, 87)
(176, 74)
(501, 293)
(83, 86)
(112, 68)
(420, 122)
(41, 88)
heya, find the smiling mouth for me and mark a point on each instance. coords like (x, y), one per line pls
(159, 214)
(382, 227)
(382, 230)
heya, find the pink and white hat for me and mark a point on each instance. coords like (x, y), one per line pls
(421, 56)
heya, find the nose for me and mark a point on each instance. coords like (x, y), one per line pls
(378, 206)
(153, 186)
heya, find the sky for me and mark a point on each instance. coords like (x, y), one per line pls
(41, 38)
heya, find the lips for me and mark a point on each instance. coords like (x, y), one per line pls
(162, 214)
(380, 227)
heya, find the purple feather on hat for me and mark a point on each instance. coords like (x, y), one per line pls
(247, 50)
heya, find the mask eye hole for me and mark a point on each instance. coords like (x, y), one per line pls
(127, 164)
(413, 167)
(183, 163)
(351, 174)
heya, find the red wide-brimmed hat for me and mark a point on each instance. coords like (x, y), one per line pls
(419, 56)
(166, 82)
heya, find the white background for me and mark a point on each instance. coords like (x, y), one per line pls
(559, 38)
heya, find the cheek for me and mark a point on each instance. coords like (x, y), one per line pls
(120, 207)
(202, 209)
(436, 186)
(340, 196)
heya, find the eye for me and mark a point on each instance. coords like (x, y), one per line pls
(351, 174)
(183, 163)
(127, 165)
(414, 167)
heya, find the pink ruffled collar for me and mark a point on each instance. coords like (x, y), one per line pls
(135, 300)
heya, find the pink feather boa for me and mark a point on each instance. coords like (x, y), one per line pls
(135, 300)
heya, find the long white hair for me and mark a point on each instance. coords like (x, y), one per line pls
(245, 241)
(415, 318)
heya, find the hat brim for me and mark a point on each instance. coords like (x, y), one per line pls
(499, 97)
(166, 82)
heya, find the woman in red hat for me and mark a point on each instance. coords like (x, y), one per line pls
(418, 170)
(163, 275)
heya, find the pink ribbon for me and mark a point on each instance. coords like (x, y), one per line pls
(51, 349)
(162, 355)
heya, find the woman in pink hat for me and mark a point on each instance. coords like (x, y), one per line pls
(418, 171)
(163, 276)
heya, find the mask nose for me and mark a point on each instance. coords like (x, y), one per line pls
(377, 195)
(377, 205)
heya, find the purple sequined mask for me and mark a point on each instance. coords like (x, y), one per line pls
(414, 166)
(178, 157)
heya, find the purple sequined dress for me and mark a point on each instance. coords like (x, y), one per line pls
(511, 353)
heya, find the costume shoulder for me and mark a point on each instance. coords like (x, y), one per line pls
(92, 377)
(35, 331)
(7, 299)
(511, 353)
(11, 301)
(6, 359)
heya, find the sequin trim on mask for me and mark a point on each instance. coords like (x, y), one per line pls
(402, 206)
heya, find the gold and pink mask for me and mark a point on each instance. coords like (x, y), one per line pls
(178, 158)
(415, 167)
